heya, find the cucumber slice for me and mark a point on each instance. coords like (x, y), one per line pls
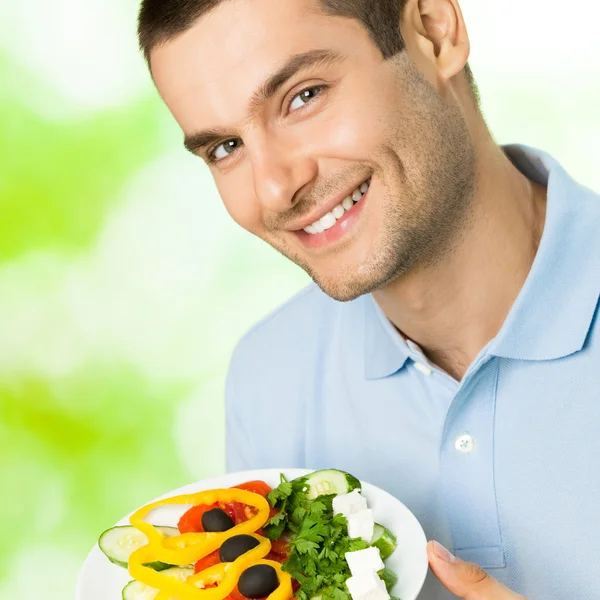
(135, 590)
(389, 578)
(330, 481)
(384, 540)
(119, 543)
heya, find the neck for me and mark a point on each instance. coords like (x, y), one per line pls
(454, 307)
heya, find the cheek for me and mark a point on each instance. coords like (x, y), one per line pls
(242, 206)
(354, 128)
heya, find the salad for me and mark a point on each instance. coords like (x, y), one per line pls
(311, 538)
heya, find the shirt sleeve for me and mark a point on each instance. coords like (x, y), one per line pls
(240, 452)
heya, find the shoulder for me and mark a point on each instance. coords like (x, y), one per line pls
(290, 340)
(298, 322)
(275, 367)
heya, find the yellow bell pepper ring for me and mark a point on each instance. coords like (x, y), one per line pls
(215, 576)
(210, 575)
(239, 564)
(285, 590)
(190, 547)
(225, 574)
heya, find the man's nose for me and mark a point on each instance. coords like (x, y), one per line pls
(280, 171)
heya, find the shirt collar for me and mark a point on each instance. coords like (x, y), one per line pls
(553, 313)
(554, 310)
(386, 351)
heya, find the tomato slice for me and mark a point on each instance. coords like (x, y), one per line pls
(239, 512)
(280, 546)
(280, 558)
(208, 561)
(258, 487)
(191, 520)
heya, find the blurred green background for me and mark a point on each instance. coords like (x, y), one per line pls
(123, 284)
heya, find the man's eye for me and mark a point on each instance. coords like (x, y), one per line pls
(228, 147)
(305, 97)
(224, 150)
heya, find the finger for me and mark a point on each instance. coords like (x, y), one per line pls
(465, 580)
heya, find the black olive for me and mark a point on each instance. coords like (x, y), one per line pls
(235, 546)
(216, 520)
(258, 581)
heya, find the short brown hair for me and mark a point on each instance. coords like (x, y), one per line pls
(161, 20)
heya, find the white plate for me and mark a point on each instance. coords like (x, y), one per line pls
(101, 580)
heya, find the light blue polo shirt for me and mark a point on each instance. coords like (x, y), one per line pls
(504, 467)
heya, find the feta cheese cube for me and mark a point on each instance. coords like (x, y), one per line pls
(348, 504)
(367, 586)
(361, 524)
(360, 585)
(364, 561)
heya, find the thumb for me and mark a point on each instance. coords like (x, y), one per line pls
(463, 579)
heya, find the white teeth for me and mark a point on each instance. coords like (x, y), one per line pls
(348, 203)
(328, 221)
(338, 211)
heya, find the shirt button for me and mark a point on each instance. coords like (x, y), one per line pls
(464, 444)
(423, 368)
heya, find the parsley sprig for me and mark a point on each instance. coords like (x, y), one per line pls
(318, 540)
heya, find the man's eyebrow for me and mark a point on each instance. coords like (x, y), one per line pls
(295, 64)
(196, 142)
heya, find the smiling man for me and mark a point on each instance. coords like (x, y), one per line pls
(448, 351)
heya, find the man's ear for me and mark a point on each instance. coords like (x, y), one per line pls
(436, 37)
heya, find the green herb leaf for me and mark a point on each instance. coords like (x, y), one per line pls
(318, 540)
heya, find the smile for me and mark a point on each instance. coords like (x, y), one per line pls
(328, 220)
(337, 223)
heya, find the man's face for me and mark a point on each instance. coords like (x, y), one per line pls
(353, 167)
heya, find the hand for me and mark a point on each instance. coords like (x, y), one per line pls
(466, 580)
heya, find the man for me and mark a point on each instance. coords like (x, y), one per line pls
(449, 350)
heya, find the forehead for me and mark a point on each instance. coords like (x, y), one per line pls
(213, 67)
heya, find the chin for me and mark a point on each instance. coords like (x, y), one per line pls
(348, 278)
(345, 289)
(350, 283)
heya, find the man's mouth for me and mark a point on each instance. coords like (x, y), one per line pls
(328, 220)
(336, 223)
